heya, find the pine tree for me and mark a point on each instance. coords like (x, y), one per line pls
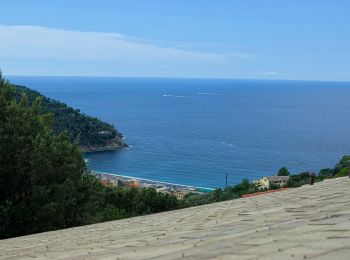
(39, 172)
(283, 172)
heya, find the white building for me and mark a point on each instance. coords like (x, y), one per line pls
(268, 181)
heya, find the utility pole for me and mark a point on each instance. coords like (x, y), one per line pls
(226, 179)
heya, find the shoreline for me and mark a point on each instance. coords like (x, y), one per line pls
(153, 182)
(115, 145)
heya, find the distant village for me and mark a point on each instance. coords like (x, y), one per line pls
(179, 191)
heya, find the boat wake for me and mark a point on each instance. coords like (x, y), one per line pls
(198, 94)
(209, 94)
(174, 96)
(228, 144)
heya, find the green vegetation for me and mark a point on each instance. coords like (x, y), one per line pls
(44, 181)
(246, 187)
(283, 172)
(89, 131)
(296, 180)
(229, 193)
(342, 173)
(341, 169)
(45, 184)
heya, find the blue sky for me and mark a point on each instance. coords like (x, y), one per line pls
(270, 39)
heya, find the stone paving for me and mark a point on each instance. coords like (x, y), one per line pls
(311, 222)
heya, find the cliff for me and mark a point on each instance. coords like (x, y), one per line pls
(112, 144)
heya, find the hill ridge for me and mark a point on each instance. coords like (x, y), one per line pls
(93, 134)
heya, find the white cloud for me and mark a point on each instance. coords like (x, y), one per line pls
(36, 42)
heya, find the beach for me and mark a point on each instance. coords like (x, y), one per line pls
(178, 190)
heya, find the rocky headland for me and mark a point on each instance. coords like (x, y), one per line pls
(113, 144)
(92, 134)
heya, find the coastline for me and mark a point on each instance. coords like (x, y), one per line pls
(152, 183)
(115, 144)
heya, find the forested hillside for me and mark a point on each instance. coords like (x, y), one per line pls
(44, 183)
(91, 133)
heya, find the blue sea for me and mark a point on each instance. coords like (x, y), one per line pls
(193, 131)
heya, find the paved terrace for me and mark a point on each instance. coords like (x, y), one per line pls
(311, 222)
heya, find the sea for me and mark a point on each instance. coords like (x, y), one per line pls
(198, 131)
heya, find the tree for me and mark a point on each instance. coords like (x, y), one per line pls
(44, 183)
(42, 176)
(326, 172)
(342, 173)
(343, 163)
(283, 172)
(89, 131)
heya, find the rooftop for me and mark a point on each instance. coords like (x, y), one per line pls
(277, 178)
(311, 222)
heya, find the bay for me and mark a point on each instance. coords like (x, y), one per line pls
(193, 131)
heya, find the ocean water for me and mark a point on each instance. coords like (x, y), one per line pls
(193, 131)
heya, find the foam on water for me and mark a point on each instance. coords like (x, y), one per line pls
(209, 94)
(175, 96)
(230, 145)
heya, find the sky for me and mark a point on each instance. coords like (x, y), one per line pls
(246, 39)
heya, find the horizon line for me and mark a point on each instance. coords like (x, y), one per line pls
(176, 77)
